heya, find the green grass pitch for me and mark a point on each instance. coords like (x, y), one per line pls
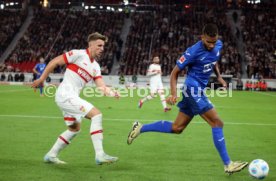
(30, 124)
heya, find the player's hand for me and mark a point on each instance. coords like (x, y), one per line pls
(222, 82)
(114, 93)
(37, 83)
(171, 100)
(117, 95)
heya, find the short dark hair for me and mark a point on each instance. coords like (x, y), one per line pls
(210, 29)
(97, 36)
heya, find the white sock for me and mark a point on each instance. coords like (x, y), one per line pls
(163, 101)
(63, 140)
(96, 131)
(147, 98)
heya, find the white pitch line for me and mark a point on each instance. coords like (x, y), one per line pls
(266, 94)
(147, 120)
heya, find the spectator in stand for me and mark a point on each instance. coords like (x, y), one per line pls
(247, 85)
(259, 41)
(46, 23)
(11, 21)
(263, 85)
(3, 77)
(254, 86)
(10, 78)
(122, 79)
(171, 38)
(239, 84)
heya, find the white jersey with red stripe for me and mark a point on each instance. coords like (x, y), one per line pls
(155, 78)
(153, 68)
(79, 71)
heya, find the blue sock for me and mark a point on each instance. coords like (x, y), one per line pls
(219, 142)
(41, 90)
(159, 126)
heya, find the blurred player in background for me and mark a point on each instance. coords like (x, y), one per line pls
(82, 67)
(38, 70)
(201, 59)
(156, 85)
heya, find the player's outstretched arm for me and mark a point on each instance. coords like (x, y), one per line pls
(172, 99)
(220, 79)
(59, 60)
(106, 90)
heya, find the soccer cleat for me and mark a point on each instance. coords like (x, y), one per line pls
(140, 104)
(105, 159)
(235, 166)
(167, 109)
(54, 160)
(135, 131)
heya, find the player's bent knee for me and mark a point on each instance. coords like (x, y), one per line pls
(74, 127)
(177, 129)
(216, 122)
(97, 115)
(92, 113)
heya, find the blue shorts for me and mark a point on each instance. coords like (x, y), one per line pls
(193, 104)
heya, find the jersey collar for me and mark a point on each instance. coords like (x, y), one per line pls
(88, 53)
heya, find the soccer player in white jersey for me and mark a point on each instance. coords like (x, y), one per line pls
(156, 85)
(82, 67)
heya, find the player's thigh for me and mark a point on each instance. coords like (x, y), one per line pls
(212, 118)
(181, 122)
(160, 88)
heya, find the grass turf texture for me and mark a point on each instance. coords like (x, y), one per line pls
(30, 125)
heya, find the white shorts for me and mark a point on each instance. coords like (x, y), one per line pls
(155, 87)
(74, 109)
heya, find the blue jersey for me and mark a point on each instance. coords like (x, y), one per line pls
(200, 63)
(40, 67)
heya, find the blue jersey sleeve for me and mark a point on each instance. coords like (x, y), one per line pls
(36, 67)
(185, 59)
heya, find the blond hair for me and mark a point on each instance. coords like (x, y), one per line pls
(96, 36)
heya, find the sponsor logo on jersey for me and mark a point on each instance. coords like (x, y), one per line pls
(182, 59)
(80, 71)
(202, 58)
(208, 67)
(84, 74)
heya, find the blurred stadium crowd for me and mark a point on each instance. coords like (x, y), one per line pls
(247, 31)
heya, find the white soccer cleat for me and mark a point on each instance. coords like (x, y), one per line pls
(135, 131)
(53, 160)
(235, 166)
(105, 159)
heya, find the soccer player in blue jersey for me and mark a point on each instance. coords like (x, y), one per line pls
(200, 59)
(38, 70)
